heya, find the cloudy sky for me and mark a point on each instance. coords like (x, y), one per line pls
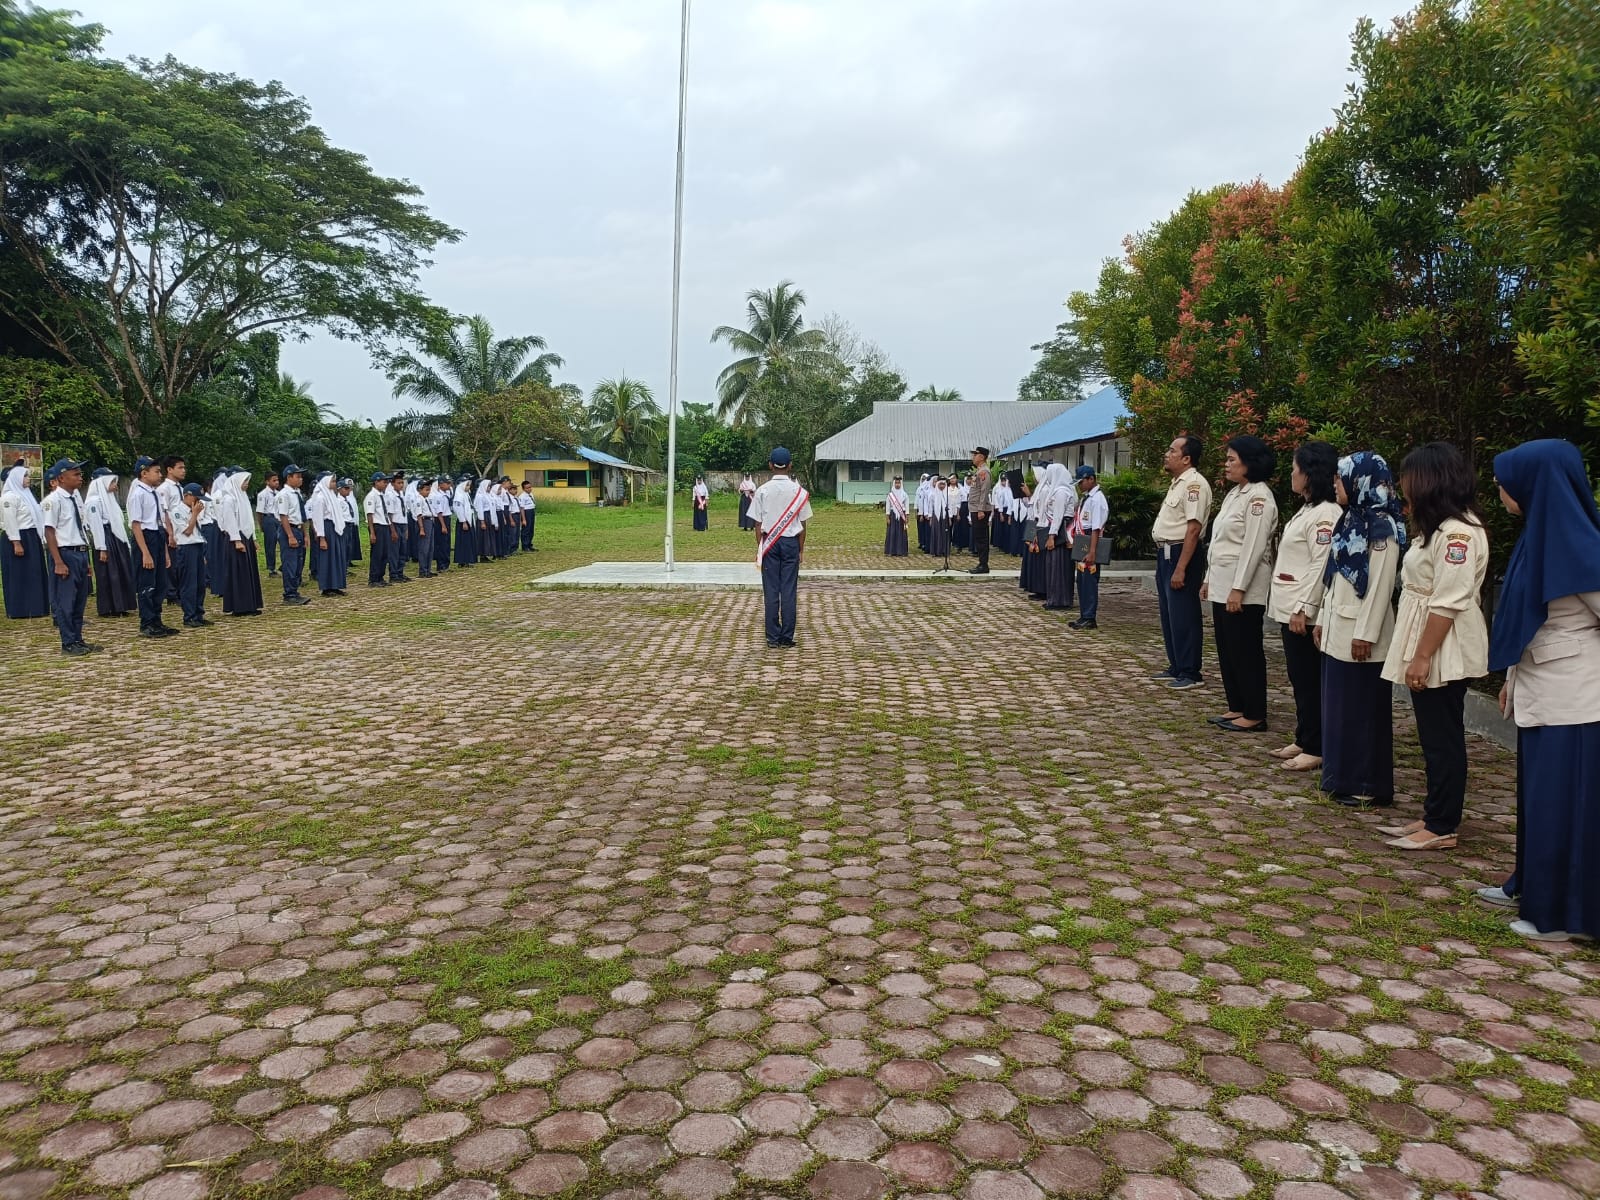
(941, 173)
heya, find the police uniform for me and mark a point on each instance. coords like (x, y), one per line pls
(1188, 499)
(1240, 560)
(376, 508)
(69, 593)
(291, 511)
(1297, 591)
(1443, 577)
(271, 531)
(780, 508)
(150, 583)
(980, 504)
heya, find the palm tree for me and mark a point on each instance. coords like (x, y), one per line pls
(468, 360)
(624, 417)
(775, 342)
(937, 395)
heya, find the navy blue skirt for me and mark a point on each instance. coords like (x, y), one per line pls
(466, 544)
(25, 581)
(1558, 835)
(216, 560)
(1357, 729)
(333, 564)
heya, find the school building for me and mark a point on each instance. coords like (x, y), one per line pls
(912, 438)
(581, 476)
(1084, 433)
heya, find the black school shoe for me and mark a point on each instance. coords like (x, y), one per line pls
(1349, 801)
(1082, 625)
(76, 650)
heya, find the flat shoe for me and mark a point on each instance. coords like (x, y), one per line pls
(1528, 930)
(1401, 830)
(1497, 897)
(1300, 762)
(1432, 841)
(1224, 719)
(1289, 751)
(1230, 727)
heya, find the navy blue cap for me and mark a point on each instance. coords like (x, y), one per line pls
(291, 469)
(780, 457)
(1086, 471)
(379, 477)
(101, 472)
(66, 464)
(193, 489)
(349, 483)
(141, 464)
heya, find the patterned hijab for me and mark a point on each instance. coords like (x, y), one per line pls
(1373, 515)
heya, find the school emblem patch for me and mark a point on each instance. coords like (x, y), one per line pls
(1194, 491)
(1455, 553)
(1324, 536)
(1257, 507)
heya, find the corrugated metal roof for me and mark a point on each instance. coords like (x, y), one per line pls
(1088, 421)
(907, 431)
(606, 460)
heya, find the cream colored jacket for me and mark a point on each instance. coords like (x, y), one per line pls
(1347, 617)
(1443, 578)
(1302, 557)
(1557, 682)
(1239, 557)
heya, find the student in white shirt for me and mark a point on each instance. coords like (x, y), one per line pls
(376, 509)
(241, 585)
(327, 521)
(439, 508)
(69, 556)
(22, 558)
(394, 507)
(461, 507)
(291, 505)
(191, 557)
(267, 514)
(780, 508)
(529, 507)
(352, 528)
(112, 559)
(174, 472)
(1093, 513)
(152, 558)
(419, 501)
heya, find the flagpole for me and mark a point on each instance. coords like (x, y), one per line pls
(677, 275)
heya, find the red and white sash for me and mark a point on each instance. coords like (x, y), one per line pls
(785, 519)
(896, 504)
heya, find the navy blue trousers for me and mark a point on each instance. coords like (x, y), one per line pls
(780, 584)
(271, 536)
(69, 595)
(1180, 610)
(1558, 827)
(397, 550)
(191, 571)
(151, 583)
(294, 562)
(379, 551)
(441, 545)
(1088, 594)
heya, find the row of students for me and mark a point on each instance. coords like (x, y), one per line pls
(1060, 522)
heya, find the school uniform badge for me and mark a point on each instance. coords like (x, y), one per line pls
(1257, 507)
(1194, 491)
(1455, 553)
(1325, 536)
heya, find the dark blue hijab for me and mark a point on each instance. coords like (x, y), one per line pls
(1558, 553)
(1373, 515)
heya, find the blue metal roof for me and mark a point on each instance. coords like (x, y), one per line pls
(605, 460)
(1090, 420)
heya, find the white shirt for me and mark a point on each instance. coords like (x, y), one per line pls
(526, 502)
(439, 501)
(267, 501)
(62, 512)
(1094, 511)
(376, 506)
(180, 522)
(288, 505)
(350, 504)
(144, 507)
(394, 503)
(772, 499)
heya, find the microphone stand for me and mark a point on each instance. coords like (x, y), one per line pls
(945, 569)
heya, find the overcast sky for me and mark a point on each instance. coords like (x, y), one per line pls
(942, 173)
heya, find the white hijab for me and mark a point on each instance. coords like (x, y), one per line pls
(461, 502)
(239, 508)
(103, 504)
(483, 502)
(17, 484)
(701, 492)
(899, 493)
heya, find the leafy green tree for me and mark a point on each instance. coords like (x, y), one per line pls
(1068, 365)
(936, 395)
(624, 419)
(155, 214)
(43, 403)
(773, 348)
(723, 448)
(521, 419)
(467, 360)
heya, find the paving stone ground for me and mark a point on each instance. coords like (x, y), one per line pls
(502, 893)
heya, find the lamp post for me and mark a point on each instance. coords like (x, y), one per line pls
(677, 274)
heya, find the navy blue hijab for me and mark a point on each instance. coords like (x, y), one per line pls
(1372, 515)
(1558, 553)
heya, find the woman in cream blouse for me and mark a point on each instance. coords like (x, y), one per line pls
(1547, 640)
(1239, 579)
(1297, 596)
(1440, 639)
(1354, 628)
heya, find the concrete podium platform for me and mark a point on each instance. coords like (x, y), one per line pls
(654, 575)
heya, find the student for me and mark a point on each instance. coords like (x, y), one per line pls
(896, 509)
(1547, 641)
(1093, 513)
(1000, 530)
(1181, 561)
(394, 507)
(439, 506)
(1061, 507)
(271, 527)
(938, 510)
(1297, 596)
(780, 508)
(960, 516)
(1031, 578)
(292, 523)
(488, 522)
(67, 542)
(422, 517)
(191, 557)
(217, 550)
(508, 517)
(1354, 627)
(747, 489)
(1440, 639)
(529, 507)
(241, 586)
(22, 559)
(327, 518)
(174, 472)
(461, 507)
(376, 508)
(702, 504)
(111, 558)
(1239, 580)
(352, 520)
(152, 557)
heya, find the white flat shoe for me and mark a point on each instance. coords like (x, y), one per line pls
(1288, 751)
(1497, 897)
(1301, 762)
(1401, 830)
(1528, 930)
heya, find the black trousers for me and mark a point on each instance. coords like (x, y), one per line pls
(1304, 663)
(980, 539)
(1242, 658)
(1441, 728)
(191, 572)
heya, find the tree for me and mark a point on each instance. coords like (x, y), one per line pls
(154, 214)
(43, 403)
(468, 360)
(624, 419)
(1069, 364)
(520, 419)
(723, 448)
(935, 395)
(774, 346)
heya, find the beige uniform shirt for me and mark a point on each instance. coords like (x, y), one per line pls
(1443, 577)
(1557, 682)
(1347, 617)
(1302, 558)
(978, 494)
(1240, 557)
(1188, 499)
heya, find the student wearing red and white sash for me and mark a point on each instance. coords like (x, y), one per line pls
(747, 488)
(896, 508)
(780, 508)
(1440, 638)
(702, 504)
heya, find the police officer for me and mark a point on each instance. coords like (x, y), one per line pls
(1181, 561)
(780, 509)
(68, 548)
(291, 504)
(979, 506)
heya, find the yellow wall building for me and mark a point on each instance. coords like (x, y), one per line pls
(564, 478)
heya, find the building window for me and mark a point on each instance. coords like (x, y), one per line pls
(916, 470)
(557, 479)
(865, 472)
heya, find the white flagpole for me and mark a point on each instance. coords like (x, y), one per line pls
(677, 274)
